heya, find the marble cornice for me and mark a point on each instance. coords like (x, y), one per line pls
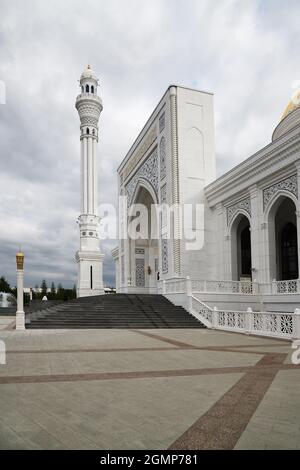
(277, 156)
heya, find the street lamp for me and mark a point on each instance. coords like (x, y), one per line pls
(20, 314)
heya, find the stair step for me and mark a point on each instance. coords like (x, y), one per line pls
(116, 311)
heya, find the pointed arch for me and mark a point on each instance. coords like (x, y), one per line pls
(143, 183)
(282, 237)
(237, 214)
(240, 236)
(274, 202)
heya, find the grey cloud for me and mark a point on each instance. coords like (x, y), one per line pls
(242, 51)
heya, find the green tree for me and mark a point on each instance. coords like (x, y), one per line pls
(60, 292)
(4, 285)
(44, 287)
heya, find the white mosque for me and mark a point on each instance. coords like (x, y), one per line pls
(236, 235)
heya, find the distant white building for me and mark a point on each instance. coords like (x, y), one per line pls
(250, 227)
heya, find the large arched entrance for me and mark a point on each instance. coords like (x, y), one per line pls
(283, 244)
(241, 248)
(144, 242)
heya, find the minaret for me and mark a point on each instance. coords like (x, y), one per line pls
(89, 257)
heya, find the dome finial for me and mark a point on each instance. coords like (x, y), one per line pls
(293, 104)
(88, 73)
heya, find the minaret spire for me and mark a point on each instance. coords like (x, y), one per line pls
(89, 257)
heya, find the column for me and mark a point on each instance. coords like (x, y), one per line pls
(175, 180)
(297, 165)
(84, 176)
(20, 315)
(81, 177)
(95, 172)
(255, 232)
(90, 175)
(219, 269)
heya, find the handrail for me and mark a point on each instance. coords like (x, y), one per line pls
(274, 324)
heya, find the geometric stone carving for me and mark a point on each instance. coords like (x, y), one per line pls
(143, 147)
(163, 163)
(122, 270)
(163, 194)
(163, 201)
(140, 272)
(289, 184)
(139, 251)
(245, 204)
(149, 172)
(89, 121)
(162, 122)
(164, 256)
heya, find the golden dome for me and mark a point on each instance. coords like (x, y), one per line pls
(292, 105)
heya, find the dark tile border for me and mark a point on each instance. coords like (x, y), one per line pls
(94, 376)
(224, 423)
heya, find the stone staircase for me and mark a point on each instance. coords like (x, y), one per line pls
(113, 311)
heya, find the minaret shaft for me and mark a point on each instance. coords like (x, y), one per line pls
(89, 176)
(89, 257)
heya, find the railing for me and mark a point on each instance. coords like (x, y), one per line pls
(277, 325)
(174, 286)
(273, 324)
(246, 287)
(232, 287)
(202, 311)
(291, 286)
(286, 287)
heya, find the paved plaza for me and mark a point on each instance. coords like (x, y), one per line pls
(147, 389)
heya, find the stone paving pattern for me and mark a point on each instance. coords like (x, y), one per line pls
(141, 389)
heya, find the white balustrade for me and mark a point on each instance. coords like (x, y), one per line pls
(231, 287)
(287, 287)
(175, 286)
(291, 286)
(277, 325)
(203, 311)
(274, 324)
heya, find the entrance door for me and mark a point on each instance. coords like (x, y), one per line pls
(289, 252)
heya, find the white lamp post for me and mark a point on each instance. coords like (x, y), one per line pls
(20, 314)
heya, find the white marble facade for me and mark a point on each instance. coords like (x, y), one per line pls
(251, 214)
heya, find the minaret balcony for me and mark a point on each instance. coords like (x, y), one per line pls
(89, 96)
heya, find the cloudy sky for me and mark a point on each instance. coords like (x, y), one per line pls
(244, 51)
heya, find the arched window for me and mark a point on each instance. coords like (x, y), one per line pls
(93, 132)
(87, 131)
(92, 89)
(82, 89)
(87, 88)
